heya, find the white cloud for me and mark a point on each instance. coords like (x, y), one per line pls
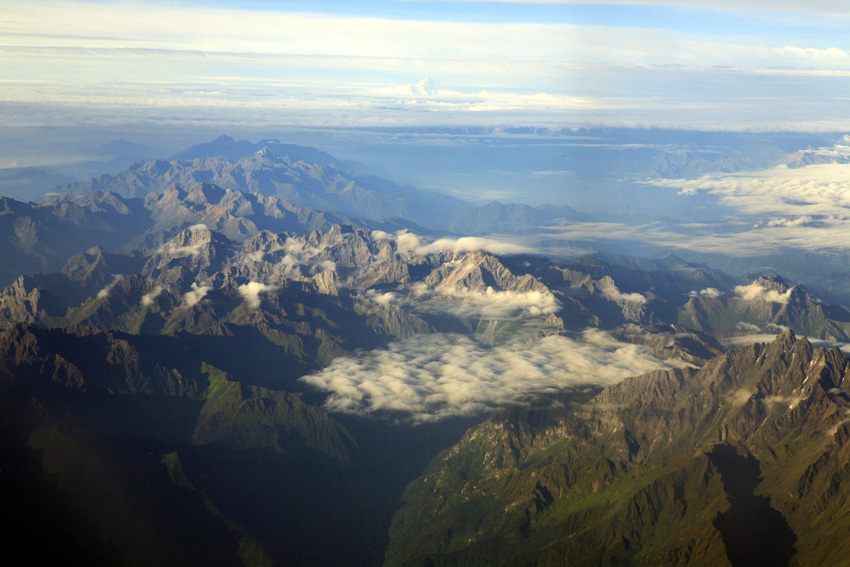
(302, 255)
(407, 241)
(821, 190)
(148, 298)
(180, 251)
(730, 238)
(747, 327)
(487, 304)
(749, 339)
(266, 66)
(831, 54)
(490, 303)
(611, 292)
(432, 377)
(799, 221)
(834, 8)
(384, 299)
(471, 244)
(196, 294)
(104, 293)
(756, 292)
(251, 292)
(709, 292)
(254, 257)
(160, 26)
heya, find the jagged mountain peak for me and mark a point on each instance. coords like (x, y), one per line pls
(96, 201)
(425, 86)
(205, 193)
(196, 234)
(838, 152)
(194, 250)
(264, 240)
(772, 282)
(265, 153)
(340, 229)
(96, 251)
(84, 264)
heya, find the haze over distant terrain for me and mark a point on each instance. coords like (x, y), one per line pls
(78, 75)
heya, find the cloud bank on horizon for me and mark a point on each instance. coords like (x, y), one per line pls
(752, 65)
(801, 203)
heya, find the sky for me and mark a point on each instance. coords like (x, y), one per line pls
(716, 65)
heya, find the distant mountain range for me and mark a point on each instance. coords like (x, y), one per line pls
(238, 188)
(321, 185)
(839, 152)
(234, 150)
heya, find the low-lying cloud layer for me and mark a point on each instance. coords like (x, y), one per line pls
(488, 304)
(473, 244)
(433, 377)
(797, 195)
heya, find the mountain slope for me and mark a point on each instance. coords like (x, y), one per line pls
(153, 457)
(645, 472)
(322, 187)
(41, 236)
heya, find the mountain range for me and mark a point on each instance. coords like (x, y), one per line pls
(319, 186)
(200, 280)
(243, 354)
(744, 461)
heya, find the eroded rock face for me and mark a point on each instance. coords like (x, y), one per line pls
(629, 474)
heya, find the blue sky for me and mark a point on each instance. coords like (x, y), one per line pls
(746, 65)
